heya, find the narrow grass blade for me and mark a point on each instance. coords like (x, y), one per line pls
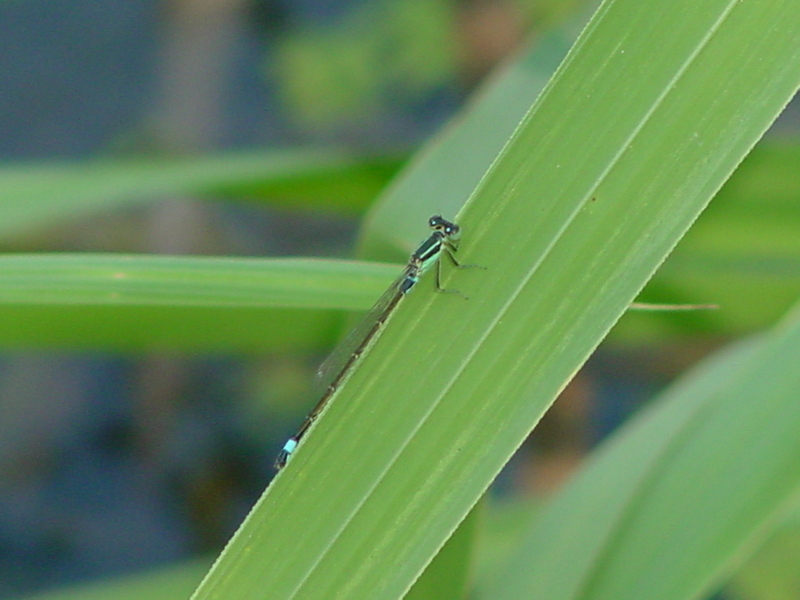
(138, 302)
(142, 280)
(37, 195)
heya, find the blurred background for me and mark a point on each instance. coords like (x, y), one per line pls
(111, 462)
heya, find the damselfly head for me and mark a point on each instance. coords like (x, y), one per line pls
(439, 223)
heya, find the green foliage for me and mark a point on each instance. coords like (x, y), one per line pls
(370, 58)
(596, 186)
(680, 492)
(771, 573)
(571, 204)
(35, 195)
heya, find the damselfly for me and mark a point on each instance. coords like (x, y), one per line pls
(443, 239)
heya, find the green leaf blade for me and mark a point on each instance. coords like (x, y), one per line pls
(669, 505)
(135, 302)
(152, 280)
(600, 181)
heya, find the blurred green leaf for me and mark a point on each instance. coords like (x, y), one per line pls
(344, 74)
(506, 522)
(771, 573)
(40, 195)
(666, 508)
(169, 583)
